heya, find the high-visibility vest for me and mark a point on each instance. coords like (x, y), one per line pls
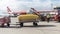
(48, 16)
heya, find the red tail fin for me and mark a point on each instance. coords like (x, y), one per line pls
(8, 9)
(34, 11)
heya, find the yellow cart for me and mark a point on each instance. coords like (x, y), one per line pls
(28, 18)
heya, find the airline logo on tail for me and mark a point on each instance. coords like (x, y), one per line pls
(9, 11)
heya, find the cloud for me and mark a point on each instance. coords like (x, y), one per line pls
(5, 3)
(37, 3)
(17, 5)
(25, 0)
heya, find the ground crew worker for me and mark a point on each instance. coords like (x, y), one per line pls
(48, 17)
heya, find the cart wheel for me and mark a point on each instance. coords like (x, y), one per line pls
(35, 24)
(8, 24)
(21, 24)
(2, 25)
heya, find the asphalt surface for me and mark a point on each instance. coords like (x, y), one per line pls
(43, 27)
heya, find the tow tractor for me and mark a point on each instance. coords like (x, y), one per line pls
(5, 19)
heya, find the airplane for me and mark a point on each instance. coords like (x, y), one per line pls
(43, 11)
(53, 13)
(15, 13)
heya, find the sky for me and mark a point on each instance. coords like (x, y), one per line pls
(16, 5)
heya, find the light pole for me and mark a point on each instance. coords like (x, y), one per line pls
(52, 6)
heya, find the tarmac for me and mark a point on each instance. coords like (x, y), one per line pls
(53, 27)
